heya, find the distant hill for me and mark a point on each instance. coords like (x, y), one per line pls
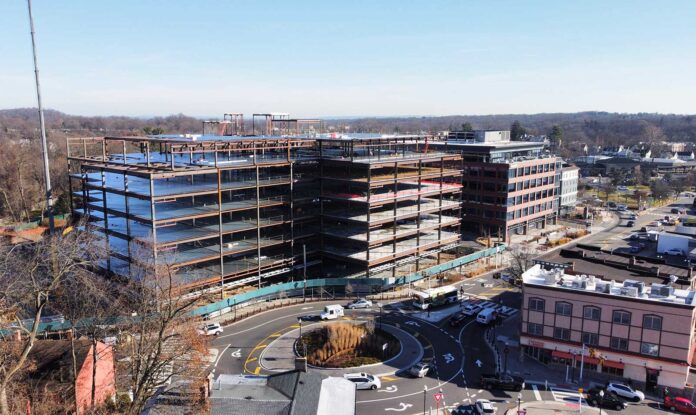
(601, 128)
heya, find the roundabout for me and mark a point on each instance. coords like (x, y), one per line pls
(265, 344)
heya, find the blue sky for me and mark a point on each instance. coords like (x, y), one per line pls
(342, 58)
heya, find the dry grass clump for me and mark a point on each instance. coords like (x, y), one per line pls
(342, 345)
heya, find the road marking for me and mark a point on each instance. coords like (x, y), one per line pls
(260, 346)
(402, 407)
(257, 370)
(306, 308)
(220, 355)
(389, 389)
(237, 354)
(295, 326)
(251, 359)
(430, 346)
(537, 395)
(388, 378)
(275, 335)
(448, 358)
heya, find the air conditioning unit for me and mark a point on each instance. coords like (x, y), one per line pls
(603, 288)
(629, 291)
(639, 285)
(661, 290)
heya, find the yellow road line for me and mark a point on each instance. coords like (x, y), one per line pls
(257, 370)
(251, 359)
(275, 335)
(388, 378)
(260, 346)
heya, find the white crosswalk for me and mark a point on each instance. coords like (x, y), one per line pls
(501, 309)
(567, 396)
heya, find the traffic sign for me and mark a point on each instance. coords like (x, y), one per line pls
(438, 397)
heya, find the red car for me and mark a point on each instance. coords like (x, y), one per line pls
(680, 404)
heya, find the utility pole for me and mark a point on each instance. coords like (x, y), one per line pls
(42, 125)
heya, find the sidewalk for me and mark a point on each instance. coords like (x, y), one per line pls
(551, 408)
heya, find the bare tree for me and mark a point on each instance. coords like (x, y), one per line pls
(164, 342)
(521, 257)
(30, 276)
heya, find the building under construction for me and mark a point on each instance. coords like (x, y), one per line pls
(236, 211)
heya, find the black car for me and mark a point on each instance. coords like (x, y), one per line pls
(501, 381)
(457, 319)
(608, 401)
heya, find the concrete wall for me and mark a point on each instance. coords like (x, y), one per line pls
(105, 378)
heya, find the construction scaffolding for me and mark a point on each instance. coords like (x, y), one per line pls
(236, 211)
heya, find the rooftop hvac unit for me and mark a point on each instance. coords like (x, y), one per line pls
(550, 278)
(638, 285)
(629, 291)
(661, 290)
(603, 288)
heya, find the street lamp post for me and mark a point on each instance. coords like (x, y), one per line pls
(519, 401)
(299, 321)
(601, 401)
(425, 391)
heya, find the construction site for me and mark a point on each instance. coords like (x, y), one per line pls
(287, 202)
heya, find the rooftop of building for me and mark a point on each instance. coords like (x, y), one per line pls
(208, 138)
(291, 393)
(628, 289)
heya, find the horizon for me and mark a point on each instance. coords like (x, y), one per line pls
(327, 60)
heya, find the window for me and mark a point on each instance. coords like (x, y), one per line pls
(590, 339)
(619, 343)
(561, 333)
(652, 322)
(592, 313)
(650, 349)
(536, 304)
(612, 371)
(564, 309)
(535, 329)
(622, 317)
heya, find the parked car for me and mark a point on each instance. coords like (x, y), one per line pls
(457, 319)
(674, 252)
(630, 223)
(420, 369)
(212, 329)
(471, 309)
(621, 208)
(487, 316)
(609, 400)
(484, 407)
(501, 381)
(360, 303)
(625, 392)
(678, 403)
(674, 210)
(363, 380)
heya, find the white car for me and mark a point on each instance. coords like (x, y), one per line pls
(364, 380)
(625, 392)
(484, 407)
(419, 370)
(212, 329)
(674, 252)
(471, 309)
(360, 303)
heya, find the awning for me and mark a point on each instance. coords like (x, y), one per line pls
(611, 363)
(561, 355)
(589, 360)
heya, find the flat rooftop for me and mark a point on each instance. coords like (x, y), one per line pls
(628, 289)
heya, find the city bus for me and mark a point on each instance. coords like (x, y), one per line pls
(434, 297)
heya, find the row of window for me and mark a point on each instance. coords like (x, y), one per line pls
(592, 339)
(525, 171)
(530, 197)
(562, 308)
(529, 184)
(531, 210)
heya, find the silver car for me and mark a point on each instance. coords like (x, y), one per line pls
(419, 370)
(360, 303)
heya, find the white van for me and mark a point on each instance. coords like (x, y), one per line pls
(332, 312)
(487, 316)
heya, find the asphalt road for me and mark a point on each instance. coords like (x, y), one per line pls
(459, 354)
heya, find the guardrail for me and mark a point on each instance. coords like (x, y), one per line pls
(355, 284)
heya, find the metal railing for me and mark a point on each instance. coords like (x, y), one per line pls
(300, 286)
